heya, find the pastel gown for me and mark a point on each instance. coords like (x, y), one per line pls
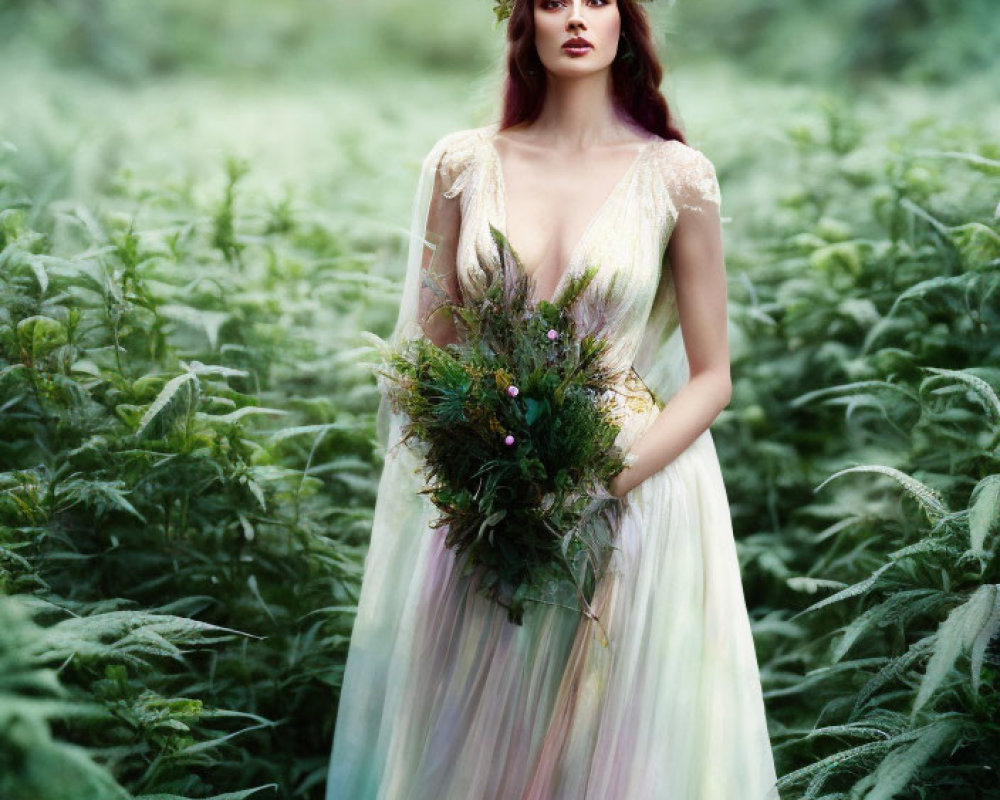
(442, 697)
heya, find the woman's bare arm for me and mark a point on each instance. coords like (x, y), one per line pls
(695, 254)
(439, 273)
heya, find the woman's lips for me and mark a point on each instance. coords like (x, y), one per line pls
(576, 49)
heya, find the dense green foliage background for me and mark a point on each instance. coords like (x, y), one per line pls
(203, 204)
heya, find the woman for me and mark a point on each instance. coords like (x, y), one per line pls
(443, 698)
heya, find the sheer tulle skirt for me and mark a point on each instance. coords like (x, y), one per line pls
(444, 699)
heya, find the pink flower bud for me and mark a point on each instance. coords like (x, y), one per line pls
(513, 390)
(508, 439)
(553, 333)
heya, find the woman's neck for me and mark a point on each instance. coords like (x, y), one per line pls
(578, 114)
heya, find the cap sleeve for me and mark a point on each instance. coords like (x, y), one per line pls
(457, 160)
(693, 206)
(696, 184)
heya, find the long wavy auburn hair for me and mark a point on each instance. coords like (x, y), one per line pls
(635, 82)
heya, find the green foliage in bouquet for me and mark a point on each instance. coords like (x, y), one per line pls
(517, 436)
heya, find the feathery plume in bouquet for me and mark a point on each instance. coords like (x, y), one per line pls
(515, 428)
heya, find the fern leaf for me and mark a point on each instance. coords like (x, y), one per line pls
(803, 583)
(957, 633)
(321, 428)
(242, 794)
(121, 633)
(984, 637)
(210, 744)
(929, 500)
(984, 393)
(851, 591)
(898, 607)
(198, 368)
(37, 264)
(849, 388)
(893, 668)
(931, 286)
(850, 729)
(816, 784)
(853, 631)
(899, 766)
(825, 766)
(923, 546)
(844, 667)
(175, 399)
(101, 495)
(209, 321)
(235, 416)
(985, 512)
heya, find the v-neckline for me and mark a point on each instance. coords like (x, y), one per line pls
(568, 268)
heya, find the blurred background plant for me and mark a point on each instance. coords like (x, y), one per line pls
(202, 205)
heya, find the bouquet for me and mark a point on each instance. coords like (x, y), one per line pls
(515, 428)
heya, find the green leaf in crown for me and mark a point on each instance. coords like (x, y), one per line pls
(503, 9)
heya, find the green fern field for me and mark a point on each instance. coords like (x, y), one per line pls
(204, 206)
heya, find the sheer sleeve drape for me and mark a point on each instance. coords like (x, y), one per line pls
(431, 277)
(381, 639)
(695, 197)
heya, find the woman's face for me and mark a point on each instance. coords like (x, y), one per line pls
(558, 21)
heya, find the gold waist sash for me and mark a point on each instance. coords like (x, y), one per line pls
(636, 395)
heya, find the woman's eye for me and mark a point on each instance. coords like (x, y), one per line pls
(554, 3)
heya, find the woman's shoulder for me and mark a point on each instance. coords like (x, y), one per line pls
(684, 155)
(459, 143)
(453, 154)
(689, 172)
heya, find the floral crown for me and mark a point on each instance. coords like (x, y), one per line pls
(503, 8)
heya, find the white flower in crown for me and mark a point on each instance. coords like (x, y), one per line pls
(503, 8)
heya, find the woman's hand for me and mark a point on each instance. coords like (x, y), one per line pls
(620, 485)
(625, 481)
